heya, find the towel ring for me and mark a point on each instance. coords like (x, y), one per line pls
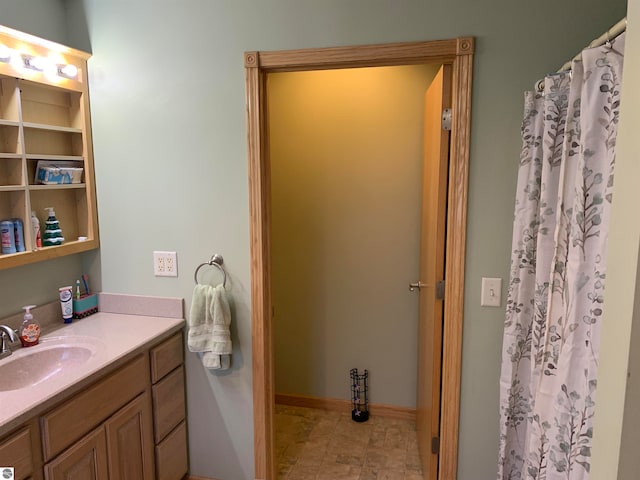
(215, 261)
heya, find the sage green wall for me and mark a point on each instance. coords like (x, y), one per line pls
(168, 111)
(346, 169)
(43, 18)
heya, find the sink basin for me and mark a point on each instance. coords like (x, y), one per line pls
(31, 366)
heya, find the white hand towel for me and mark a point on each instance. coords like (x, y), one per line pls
(199, 338)
(209, 322)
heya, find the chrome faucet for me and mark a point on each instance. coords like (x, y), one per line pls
(5, 351)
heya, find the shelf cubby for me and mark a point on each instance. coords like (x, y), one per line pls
(32, 165)
(52, 142)
(11, 170)
(49, 105)
(10, 139)
(68, 201)
(9, 102)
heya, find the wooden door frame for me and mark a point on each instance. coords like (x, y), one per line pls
(459, 53)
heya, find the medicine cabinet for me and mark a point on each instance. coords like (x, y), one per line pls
(45, 121)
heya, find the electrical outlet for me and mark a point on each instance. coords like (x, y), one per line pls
(165, 264)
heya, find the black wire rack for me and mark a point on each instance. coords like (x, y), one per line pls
(359, 399)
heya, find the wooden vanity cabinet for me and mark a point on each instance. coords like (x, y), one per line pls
(121, 427)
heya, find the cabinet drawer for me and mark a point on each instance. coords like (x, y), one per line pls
(166, 356)
(171, 455)
(67, 423)
(15, 452)
(168, 403)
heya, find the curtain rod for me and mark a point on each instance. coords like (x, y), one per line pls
(607, 36)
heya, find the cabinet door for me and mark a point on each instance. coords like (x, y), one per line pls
(15, 452)
(130, 441)
(86, 460)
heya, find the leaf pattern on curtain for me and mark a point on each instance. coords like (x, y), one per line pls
(558, 268)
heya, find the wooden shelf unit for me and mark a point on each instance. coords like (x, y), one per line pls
(45, 117)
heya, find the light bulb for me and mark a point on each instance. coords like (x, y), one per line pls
(38, 63)
(17, 61)
(69, 71)
(5, 53)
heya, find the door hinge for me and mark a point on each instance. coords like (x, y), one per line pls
(435, 445)
(440, 290)
(446, 119)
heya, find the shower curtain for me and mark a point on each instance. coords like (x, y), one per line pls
(558, 266)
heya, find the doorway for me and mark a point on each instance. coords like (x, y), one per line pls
(458, 54)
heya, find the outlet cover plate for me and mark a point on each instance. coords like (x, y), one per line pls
(165, 264)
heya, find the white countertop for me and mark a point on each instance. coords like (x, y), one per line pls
(112, 335)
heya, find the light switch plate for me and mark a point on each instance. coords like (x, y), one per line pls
(491, 292)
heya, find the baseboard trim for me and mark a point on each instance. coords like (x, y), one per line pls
(340, 405)
(193, 477)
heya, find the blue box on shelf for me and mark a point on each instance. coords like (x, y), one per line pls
(49, 172)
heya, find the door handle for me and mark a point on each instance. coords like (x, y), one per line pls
(418, 285)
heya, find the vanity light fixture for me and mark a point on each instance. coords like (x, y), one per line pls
(49, 66)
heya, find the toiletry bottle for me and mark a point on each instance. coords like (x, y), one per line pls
(29, 330)
(8, 237)
(35, 230)
(52, 232)
(18, 230)
(66, 303)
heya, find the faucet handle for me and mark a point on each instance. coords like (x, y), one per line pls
(5, 331)
(8, 332)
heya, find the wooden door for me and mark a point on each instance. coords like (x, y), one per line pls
(86, 460)
(130, 441)
(432, 255)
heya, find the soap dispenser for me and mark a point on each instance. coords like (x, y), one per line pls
(52, 232)
(29, 330)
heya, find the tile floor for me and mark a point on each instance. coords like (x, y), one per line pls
(316, 444)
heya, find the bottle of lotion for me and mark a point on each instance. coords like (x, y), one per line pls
(29, 330)
(66, 303)
(35, 229)
(18, 230)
